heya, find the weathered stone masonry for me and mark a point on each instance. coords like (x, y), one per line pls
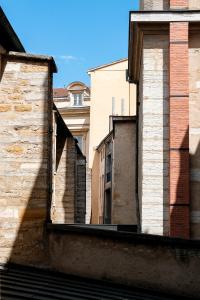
(26, 144)
(69, 176)
(25, 105)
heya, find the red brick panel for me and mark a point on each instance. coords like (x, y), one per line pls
(179, 128)
(179, 120)
(179, 190)
(178, 226)
(179, 71)
(179, 32)
(179, 4)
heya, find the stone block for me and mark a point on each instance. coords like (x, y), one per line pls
(23, 108)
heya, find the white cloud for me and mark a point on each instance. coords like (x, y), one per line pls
(68, 57)
(65, 58)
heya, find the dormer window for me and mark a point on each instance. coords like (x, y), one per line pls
(77, 99)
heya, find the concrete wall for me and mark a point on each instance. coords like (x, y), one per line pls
(123, 174)
(194, 132)
(153, 135)
(25, 114)
(137, 260)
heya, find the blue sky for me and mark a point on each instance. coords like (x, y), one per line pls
(80, 34)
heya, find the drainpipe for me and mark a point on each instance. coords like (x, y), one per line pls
(137, 158)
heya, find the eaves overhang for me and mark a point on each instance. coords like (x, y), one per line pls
(152, 22)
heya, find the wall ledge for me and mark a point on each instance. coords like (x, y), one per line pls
(100, 231)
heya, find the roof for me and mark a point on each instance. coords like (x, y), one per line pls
(74, 86)
(107, 65)
(8, 38)
(106, 139)
(60, 92)
(20, 282)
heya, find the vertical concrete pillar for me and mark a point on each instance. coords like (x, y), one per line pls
(179, 126)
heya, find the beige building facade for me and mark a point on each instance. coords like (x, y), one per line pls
(111, 94)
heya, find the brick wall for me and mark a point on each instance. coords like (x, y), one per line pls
(179, 4)
(179, 129)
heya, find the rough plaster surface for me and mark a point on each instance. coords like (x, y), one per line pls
(135, 263)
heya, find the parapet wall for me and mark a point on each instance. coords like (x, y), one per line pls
(145, 261)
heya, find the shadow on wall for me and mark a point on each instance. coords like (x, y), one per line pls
(27, 161)
(179, 190)
(96, 206)
(185, 193)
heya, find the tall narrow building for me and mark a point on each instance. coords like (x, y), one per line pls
(164, 61)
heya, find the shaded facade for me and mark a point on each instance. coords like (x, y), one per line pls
(114, 177)
(73, 103)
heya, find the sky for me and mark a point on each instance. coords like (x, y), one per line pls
(79, 34)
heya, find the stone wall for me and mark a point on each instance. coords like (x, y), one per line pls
(194, 4)
(154, 4)
(69, 177)
(154, 135)
(194, 132)
(64, 176)
(25, 114)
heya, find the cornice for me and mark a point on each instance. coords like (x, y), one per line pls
(152, 22)
(75, 111)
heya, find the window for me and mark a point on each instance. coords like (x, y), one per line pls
(77, 99)
(80, 141)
